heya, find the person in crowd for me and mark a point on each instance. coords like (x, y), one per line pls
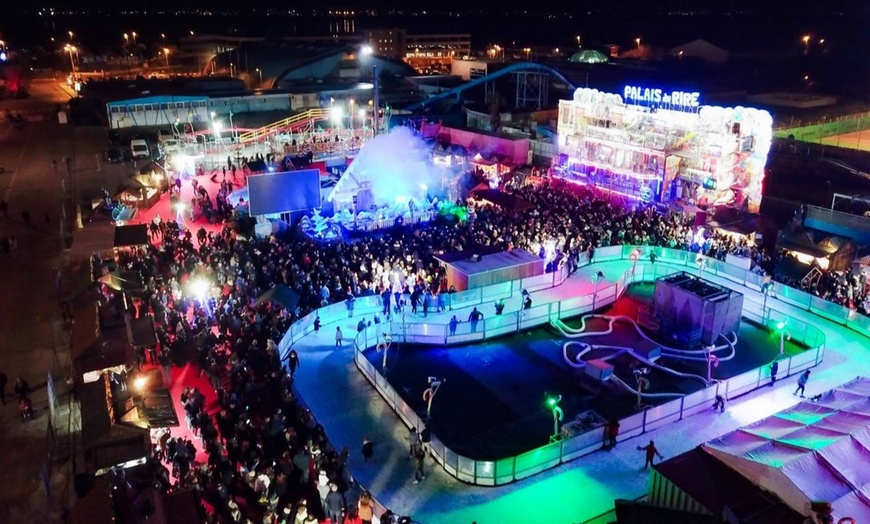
(365, 508)
(335, 505)
(419, 461)
(611, 431)
(473, 318)
(292, 361)
(802, 383)
(368, 449)
(453, 324)
(651, 453)
(719, 403)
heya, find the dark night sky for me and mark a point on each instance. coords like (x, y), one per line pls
(787, 7)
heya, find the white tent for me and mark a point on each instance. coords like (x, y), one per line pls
(815, 451)
(703, 50)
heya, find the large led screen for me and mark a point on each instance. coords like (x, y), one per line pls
(272, 193)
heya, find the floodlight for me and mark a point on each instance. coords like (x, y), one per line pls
(199, 287)
(140, 382)
(366, 50)
(336, 113)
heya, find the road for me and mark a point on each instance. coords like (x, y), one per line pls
(28, 304)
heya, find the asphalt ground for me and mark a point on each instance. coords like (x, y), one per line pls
(29, 308)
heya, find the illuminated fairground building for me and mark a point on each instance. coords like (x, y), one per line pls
(664, 146)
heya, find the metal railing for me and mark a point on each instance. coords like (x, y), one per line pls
(510, 469)
(306, 117)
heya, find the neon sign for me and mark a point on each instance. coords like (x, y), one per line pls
(646, 95)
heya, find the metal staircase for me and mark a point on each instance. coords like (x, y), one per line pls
(292, 122)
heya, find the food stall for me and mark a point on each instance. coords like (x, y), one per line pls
(139, 192)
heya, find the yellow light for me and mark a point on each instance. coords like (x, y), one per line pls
(140, 382)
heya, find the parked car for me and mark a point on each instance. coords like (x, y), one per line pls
(139, 148)
(114, 137)
(113, 155)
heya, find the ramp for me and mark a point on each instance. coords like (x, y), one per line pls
(293, 122)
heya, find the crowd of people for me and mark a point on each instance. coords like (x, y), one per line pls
(267, 460)
(265, 457)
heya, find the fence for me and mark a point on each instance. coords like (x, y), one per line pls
(816, 131)
(510, 469)
(427, 333)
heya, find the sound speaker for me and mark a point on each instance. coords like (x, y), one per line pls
(426, 435)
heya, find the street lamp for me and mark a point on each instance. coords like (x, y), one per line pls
(598, 279)
(134, 37)
(260, 71)
(578, 40)
(783, 336)
(806, 41)
(637, 41)
(70, 33)
(634, 256)
(558, 415)
(429, 394)
(712, 361)
(528, 52)
(766, 288)
(71, 49)
(350, 114)
(126, 39)
(384, 347)
(642, 384)
(166, 53)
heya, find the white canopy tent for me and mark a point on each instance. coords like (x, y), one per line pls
(815, 451)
